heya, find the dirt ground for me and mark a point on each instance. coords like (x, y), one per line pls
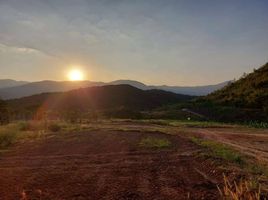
(252, 142)
(106, 164)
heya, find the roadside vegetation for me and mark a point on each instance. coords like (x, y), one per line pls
(256, 124)
(243, 190)
(13, 132)
(248, 188)
(4, 115)
(223, 152)
(8, 135)
(219, 151)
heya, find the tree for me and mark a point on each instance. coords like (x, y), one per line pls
(4, 114)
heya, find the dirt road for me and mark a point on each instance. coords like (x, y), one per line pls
(251, 142)
(106, 165)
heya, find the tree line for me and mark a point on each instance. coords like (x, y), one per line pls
(4, 114)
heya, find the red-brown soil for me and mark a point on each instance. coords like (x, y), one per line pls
(251, 142)
(105, 164)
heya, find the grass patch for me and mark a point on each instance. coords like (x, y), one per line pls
(200, 124)
(219, 151)
(257, 168)
(7, 138)
(8, 135)
(151, 142)
(245, 189)
(186, 123)
(254, 124)
(31, 125)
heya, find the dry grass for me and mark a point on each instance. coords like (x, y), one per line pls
(244, 190)
(8, 135)
(219, 151)
(158, 143)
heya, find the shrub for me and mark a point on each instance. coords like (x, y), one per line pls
(24, 126)
(4, 114)
(7, 137)
(256, 124)
(30, 126)
(54, 127)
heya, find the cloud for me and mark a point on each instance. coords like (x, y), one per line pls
(21, 50)
(134, 38)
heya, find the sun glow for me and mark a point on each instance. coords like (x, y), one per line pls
(76, 75)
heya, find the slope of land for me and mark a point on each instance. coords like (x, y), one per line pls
(44, 87)
(7, 83)
(97, 98)
(250, 91)
(55, 86)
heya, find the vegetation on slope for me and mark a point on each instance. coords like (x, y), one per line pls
(251, 91)
(245, 100)
(4, 117)
(117, 100)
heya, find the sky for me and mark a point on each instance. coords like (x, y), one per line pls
(172, 42)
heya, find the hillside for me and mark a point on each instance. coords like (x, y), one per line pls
(194, 90)
(6, 83)
(44, 87)
(28, 89)
(96, 98)
(251, 91)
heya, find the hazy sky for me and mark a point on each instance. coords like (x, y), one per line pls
(175, 42)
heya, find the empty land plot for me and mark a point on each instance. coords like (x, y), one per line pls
(106, 164)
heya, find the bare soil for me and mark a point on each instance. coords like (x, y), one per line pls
(252, 142)
(106, 164)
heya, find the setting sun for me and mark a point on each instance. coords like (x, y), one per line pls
(76, 75)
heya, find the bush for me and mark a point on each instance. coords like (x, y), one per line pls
(4, 114)
(24, 126)
(30, 126)
(7, 137)
(54, 127)
(256, 124)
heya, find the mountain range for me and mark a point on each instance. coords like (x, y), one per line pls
(11, 89)
(6, 83)
(98, 98)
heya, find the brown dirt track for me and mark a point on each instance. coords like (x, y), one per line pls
(106, 164)
(251, 142)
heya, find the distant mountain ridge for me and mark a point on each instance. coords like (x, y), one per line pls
(110, 97)
(44, 87)
(6, 83)
(28, 89)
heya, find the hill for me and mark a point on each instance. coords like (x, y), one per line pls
(44, 87)
(251, 91)
(136, 84)
(104, 98)
(194, 90)
(33, 88)
(6, 83)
